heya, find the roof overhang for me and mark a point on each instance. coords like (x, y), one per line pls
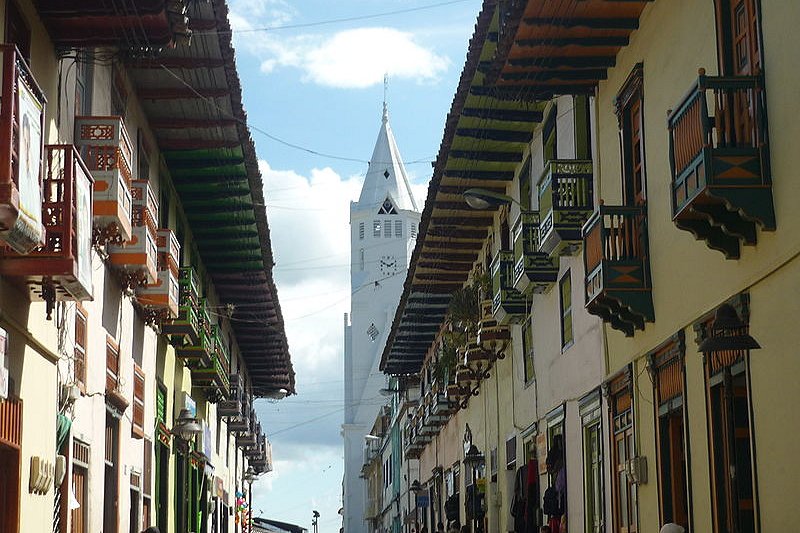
(484, 143)
(193, 99)
(550, 48)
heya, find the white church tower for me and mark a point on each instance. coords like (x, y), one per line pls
(383, 231)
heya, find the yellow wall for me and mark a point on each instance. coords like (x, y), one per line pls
(689, 279)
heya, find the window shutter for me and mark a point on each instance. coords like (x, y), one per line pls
(112, 365)
(137, 430)
(80, 348)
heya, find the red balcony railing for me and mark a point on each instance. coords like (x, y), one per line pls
(61, 268)
(21, 125)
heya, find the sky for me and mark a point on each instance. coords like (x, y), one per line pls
(319, 87)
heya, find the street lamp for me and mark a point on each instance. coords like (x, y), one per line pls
(727, 332)
(416, 488)
(315, 520)
(186, 426)
(249, 476)
(483, 199)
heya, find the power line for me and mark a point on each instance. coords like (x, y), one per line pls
(333, 21)
(270, 136)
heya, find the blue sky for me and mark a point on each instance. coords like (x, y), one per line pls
(321, 87)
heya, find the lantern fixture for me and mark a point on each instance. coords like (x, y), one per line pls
(186, 426)
(727, 332)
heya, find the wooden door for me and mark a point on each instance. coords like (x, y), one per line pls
(79, 487)
(9, 489)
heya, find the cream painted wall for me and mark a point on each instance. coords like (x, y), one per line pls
(689, 279)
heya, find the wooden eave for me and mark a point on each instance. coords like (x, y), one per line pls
(551, 48)
(484, 143)
(192, 98)
(144, 26)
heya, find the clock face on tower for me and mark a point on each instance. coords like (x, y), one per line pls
(388, 265)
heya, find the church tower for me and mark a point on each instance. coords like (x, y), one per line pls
(383, 231)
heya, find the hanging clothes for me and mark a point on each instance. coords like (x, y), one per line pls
(518, 500)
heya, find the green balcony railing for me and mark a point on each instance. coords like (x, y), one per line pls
(534, 271)
(617, 265)
(721, 183)
(566, 200)
(508, 304)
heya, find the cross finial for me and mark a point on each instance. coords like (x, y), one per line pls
(385, 92)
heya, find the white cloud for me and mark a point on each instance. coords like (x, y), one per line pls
(351, 59)
(360, 57)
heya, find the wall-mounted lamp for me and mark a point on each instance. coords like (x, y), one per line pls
(483, 199)
(186, 426)
(727, 332)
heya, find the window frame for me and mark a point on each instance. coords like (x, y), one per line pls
(622, 430)
(629, 99)
(720, 370)
(566, 312)
(590, 412)
(663, 363)
(81, 345)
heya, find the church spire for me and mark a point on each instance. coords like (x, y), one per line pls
(386, 176)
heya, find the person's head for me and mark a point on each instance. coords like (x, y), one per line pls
(152, 530)
(545, 529)
(672, 528)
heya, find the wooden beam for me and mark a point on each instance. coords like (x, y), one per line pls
(441, 276)
(613, 40)
(556, 74)
(459, 189)
(178, 123)
(595, 23)
(577, 62)
(177, 93)
(196, 144)
(455, 257)
(440, 288)
(483, 155)
(496, 135)
(457, 232)
(454, 206)
(446, 266)
(503, 115)
(489, 175)
(198, 24)
(176, 62)
(477, 221)
(531, 91)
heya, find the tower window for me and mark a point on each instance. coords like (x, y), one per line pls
(387, 208)
(387, 228)
(413, 230)
(361, 231)
(386, 173)
(361, 259)
(373, 332)
(376, 228)
(398, 228)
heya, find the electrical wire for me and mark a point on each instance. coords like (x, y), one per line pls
(334, 21)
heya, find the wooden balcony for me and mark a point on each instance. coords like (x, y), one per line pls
(137, 258)
(566, 200)
(11, 422)
(107, 151)
(61, 269)
(21, 118)
(508, 305)
(214, 377)
(617, 265)
(162, 298)
(241, 421)
(534, 270)
(199, 354)
(169, 250)
(186, 327)
(721, 183)
(232, 406)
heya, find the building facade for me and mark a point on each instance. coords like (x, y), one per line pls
(138, 313)
(599, 337)
(383, 229)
